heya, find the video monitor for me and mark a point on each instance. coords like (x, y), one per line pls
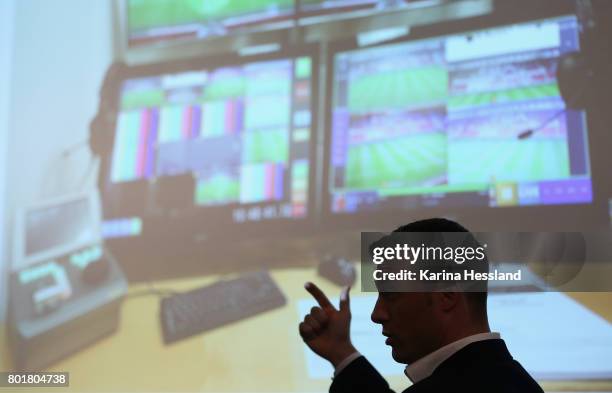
(209, 151)
(150, 22)
(61, 225)
(473, 119)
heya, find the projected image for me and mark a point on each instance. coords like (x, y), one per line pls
(491, 102)
(395, 137)
(243, 132)
(504, 157)
(383, 153)
(456, 118)
(155, 21)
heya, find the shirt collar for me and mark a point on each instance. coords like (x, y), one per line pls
(426, 365)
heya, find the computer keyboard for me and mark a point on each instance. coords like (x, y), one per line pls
(201, 309)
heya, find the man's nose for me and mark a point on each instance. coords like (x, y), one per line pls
(379, 314)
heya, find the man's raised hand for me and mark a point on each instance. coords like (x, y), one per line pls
(326, 330)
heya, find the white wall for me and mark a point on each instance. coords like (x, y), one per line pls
(61, 51)
(6, 49)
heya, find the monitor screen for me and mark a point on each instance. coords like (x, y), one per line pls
(211, 147)
(58, 225)
(162, 21)
(50, 229)
(471, 119)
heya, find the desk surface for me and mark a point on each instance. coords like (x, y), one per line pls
(258, 354)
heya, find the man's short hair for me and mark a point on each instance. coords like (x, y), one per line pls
(478, 298)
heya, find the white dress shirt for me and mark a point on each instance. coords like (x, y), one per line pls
(426, 365)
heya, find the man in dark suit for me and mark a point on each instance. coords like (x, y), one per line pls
(444, 337)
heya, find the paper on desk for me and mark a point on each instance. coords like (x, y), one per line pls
(553, 336)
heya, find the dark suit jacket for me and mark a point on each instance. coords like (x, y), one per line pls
(483, 366)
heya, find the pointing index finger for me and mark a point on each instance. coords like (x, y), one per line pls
(319, 296)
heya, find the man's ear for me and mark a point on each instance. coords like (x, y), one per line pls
(446, 301)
